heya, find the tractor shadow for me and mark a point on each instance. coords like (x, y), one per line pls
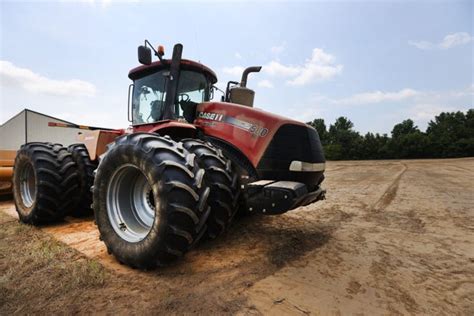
(254, 245)
(221, 270)
(5, 197)
(282, 239)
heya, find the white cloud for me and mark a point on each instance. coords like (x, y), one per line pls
(237, 55)
(233, 71)
(11, 75)
(455, 39)
(449, 41)
(427, 111)
(386, 107)
(321, 66)
(424, 45)
(265, 84)
(407, 94)
(274, 68)
(278, 49)
(424, 103)
(103, 3)
(376, 97)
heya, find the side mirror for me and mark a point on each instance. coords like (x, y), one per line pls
(144, 55)
(211, 93)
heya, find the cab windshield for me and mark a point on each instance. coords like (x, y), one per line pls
(149, 96)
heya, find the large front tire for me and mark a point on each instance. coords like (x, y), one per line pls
(223, 183)
(45, 183)
(149, 200)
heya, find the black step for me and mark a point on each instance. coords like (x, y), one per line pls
(276, 197)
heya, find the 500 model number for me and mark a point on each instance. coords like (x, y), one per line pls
(258, 130)
(254, 129)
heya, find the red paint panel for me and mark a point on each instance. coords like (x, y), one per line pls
(251, 145)
(156, 127)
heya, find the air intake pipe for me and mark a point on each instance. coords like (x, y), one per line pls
(245, 74)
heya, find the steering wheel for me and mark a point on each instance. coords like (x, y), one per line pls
(156, 111)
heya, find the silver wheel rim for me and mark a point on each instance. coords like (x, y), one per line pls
(130, 203)
(28, 185)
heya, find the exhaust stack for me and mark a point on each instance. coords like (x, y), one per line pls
(241, 94)
(245, 74)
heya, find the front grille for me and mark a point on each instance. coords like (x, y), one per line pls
(292, 142)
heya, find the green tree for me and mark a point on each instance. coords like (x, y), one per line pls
(320, 126)
(448, 135)
(344, 142)
(375, 146)
(404, 128)
(451, 134)
(408, 141)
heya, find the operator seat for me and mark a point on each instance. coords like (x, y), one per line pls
(189, 110)
(156, 110)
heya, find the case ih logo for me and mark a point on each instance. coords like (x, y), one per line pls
(211, 116)
(249, 127)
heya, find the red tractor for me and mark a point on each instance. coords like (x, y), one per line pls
(183, 169)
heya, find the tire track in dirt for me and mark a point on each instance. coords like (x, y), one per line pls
(461, 168)
(336, 169)
(390, 193)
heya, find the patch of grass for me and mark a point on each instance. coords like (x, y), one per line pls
(23, 229)
(48, 249)
(32, 263)
(87, 273)
(5, 277)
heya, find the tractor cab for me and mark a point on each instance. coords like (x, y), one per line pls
(149, 96)
(171, 89)
(167, 89)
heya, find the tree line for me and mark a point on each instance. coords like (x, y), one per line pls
(449, 135)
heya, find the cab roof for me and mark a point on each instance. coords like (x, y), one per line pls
(186, 64)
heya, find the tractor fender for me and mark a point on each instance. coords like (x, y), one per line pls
(176, 130)
(96, 141)
(235, 155)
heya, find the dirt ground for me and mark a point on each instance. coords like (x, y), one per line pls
(393, 237)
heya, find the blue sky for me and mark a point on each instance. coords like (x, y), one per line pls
(376, 62)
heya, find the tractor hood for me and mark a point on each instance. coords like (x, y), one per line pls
(248, 129)
(277, 147)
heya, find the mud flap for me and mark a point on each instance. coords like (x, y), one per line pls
(276, 197)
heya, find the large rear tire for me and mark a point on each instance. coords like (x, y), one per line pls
(45, 183)
(149, 200)
(85, 167)
(222, 181)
